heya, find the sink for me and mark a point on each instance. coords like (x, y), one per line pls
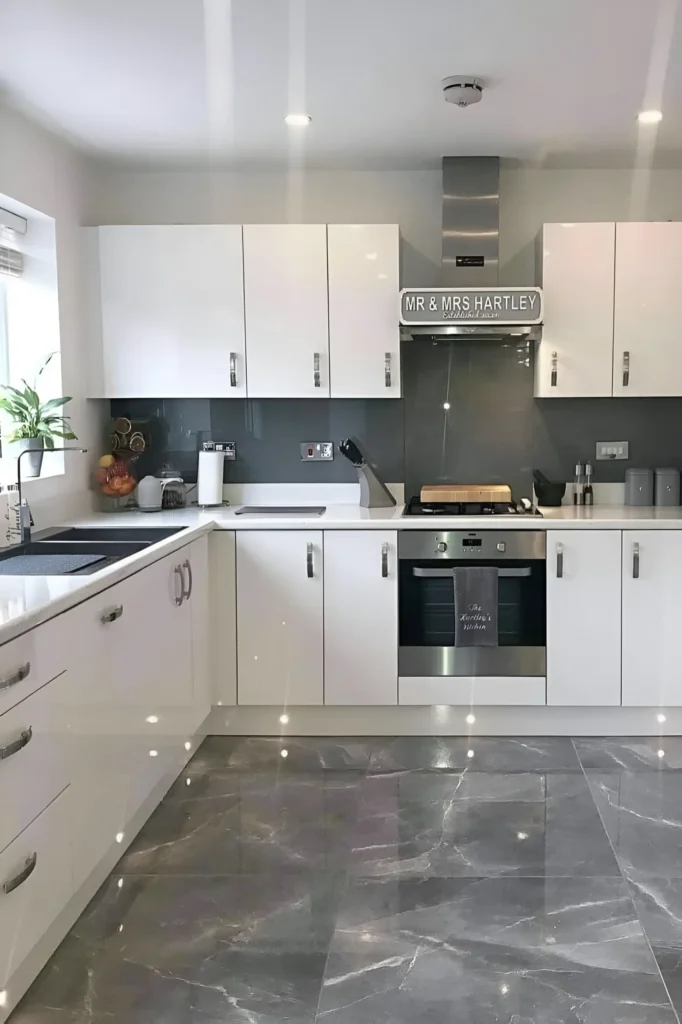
(114, 534)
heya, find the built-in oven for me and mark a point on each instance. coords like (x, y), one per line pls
(427, 561)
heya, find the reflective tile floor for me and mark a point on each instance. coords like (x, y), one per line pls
(537, 881)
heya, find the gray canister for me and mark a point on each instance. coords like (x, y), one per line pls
(639, 487)
(667, 487)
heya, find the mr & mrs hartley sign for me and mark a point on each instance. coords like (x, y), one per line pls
(426, 307)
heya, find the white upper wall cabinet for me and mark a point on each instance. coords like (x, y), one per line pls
(171, 303)
(647, 358)
(364, 333)
(575, 357)
(287, 310)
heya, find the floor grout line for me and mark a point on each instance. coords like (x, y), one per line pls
(629, 889)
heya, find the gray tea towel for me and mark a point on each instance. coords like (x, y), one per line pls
(476, 606)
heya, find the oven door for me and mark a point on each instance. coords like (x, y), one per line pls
(427, 620)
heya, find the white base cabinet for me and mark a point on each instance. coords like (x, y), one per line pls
(583, 617)
(280, 646)
(360, 617)
(652, 613)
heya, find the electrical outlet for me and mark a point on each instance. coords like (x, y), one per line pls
(229, 447)
(613, 450)
(317, 451)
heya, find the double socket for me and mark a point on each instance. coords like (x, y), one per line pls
(317, 451)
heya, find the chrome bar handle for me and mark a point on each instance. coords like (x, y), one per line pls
(317, 379)
(179, 597)
(559, 561)
(16, 677)
(555, 370)
(387, 369)
(16, 745)
(188, 566)
(310, 565)
(233, 369)
(111, 616)
(626, 369)
(26, 872)
(635, 561)
(384, 561)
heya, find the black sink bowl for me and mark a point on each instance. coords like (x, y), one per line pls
(115, 534)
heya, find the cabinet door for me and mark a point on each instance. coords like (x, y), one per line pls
(287, 310)
(583, 617)
(223, 617)
(360, 617)
(172, 311)
(652, 612)
(575, 357)
(279, 621)
(364, 335)
(197, 556)
(647, 352)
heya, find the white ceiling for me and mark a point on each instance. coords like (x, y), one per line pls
(142, 81)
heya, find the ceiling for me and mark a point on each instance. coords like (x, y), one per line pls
(161, 81)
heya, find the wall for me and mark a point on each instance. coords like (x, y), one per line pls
(40, 171)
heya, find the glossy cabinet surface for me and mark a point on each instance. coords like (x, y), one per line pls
(364, 334)
(360, 617)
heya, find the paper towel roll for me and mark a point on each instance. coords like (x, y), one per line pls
(210, 479)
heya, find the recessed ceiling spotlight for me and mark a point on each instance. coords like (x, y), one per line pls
(650, 117)
(298, 120)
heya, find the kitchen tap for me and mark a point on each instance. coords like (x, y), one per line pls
(25, 517)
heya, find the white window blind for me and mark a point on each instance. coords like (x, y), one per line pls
(11, 261)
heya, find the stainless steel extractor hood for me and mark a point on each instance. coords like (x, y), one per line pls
(470, 301)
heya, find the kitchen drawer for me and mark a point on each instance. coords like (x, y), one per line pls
(465, 691)
(34, 658)
(36, 868)
(34, 764)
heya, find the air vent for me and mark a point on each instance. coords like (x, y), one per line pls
(11, 262)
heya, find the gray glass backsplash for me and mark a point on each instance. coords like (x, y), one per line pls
(468, 416)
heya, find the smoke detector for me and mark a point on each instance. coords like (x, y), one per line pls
(462, 91)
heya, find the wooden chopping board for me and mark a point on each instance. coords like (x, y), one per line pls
(466, 492)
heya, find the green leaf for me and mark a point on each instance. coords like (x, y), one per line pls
(31, 396)
(54, 403)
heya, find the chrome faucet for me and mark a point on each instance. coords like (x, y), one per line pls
(25, 517)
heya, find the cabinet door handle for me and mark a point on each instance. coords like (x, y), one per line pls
(555, 370)
(233, 369)
(26, 872)
(317, 379)
(190, 579)
(179, 597)
(111, 616)
(384, 560)
(16, 677)
(626, 369)
(635, 561)
(387, 369)
(13, 748)
(559, 561)
(310, 565)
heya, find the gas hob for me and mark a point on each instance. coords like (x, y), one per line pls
(415, 507)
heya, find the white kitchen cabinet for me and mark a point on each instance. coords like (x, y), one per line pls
(575, 356)
(199, 609)
(167, 302)
(652, 613)
(280, 653)
(223, 617)
(583, 617)
(364, 332)
(287, 310)
(360, 617)
(647, 352)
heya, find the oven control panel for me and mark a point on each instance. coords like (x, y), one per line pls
(456, 545)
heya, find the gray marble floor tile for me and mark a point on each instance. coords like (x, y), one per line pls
(213, 949)
(523, 950)
(412, 824)
(642, 814)
(630, 754)
(490, 754)
(658, 902)
(303, 753)
(248, 823)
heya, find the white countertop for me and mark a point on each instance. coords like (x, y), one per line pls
(28, 601)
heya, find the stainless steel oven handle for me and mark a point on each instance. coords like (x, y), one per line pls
(431, 573)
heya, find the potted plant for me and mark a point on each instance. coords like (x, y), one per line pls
(36, 423)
